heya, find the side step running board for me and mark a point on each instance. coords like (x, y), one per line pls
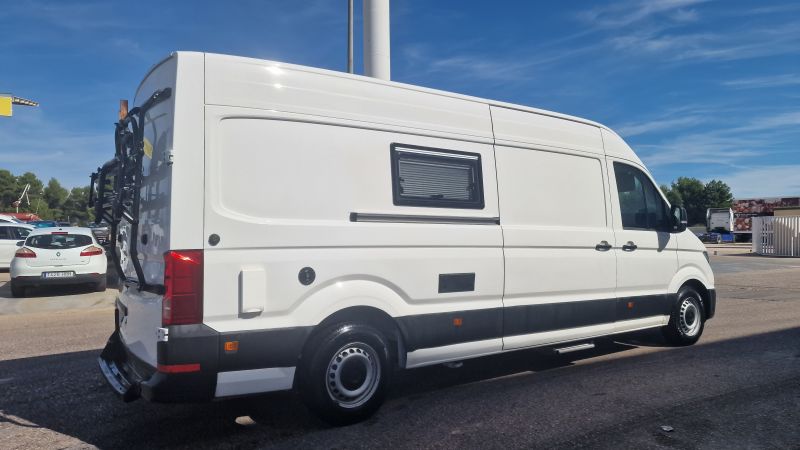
(574, 348)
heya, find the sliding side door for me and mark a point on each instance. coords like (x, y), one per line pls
(560, 267)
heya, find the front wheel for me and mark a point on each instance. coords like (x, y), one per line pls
(687, 320)
(343, 380)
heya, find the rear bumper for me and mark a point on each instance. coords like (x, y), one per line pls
(38, 280)
(131, 378)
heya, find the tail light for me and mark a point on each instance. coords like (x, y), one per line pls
(25, 252)
(92, 250)
(183, 280)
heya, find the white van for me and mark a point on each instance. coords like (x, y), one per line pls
(284, 227)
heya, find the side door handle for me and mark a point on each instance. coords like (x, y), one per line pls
(630, 246)
(603, 246)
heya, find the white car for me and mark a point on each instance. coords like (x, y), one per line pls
(58, 256)
(10, 234)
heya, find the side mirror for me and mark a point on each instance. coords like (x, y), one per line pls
(679, 219)
(20, 243)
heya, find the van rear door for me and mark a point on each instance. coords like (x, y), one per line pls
(140, 310)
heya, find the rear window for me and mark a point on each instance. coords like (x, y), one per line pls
(58, 241)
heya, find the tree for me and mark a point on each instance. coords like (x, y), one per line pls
(692, 192)
(76, 206)
(673, 196)
(718, 194)
(54, 195)
(38, 205)
(9, 190)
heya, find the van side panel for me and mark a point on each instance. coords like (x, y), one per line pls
(281, 192)
(251, 83)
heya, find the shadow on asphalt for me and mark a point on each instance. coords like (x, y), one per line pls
(66, 393)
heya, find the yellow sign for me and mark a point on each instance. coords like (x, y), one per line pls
(148, 148)
(5, 106)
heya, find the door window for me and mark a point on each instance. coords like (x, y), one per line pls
(641, 206)
(6, 233)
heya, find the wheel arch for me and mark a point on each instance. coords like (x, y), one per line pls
(704, 294)
(367, 315)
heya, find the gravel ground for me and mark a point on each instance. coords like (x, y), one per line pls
(739, 387)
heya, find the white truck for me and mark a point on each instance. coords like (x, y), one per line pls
(284, 227)
(719, 220)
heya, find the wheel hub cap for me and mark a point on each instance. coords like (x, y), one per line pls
(689, 318)
(353, 375)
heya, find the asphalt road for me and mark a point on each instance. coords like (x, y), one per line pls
(739, 387)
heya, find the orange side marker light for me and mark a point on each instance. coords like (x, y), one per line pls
(231, 346)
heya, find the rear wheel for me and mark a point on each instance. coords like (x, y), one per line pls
(343, 380)
(687, 320)
(17, 290)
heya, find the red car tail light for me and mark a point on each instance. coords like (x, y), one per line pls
(25, 252)
(183, 281)
(92, 250)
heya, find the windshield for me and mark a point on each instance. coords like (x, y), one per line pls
(58, 241)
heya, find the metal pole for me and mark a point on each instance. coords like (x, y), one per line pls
(349, 36)
(376, 39)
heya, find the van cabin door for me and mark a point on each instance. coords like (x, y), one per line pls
(646, 251)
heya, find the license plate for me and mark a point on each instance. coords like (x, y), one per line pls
(58, 274)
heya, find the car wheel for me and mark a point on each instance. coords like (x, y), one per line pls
(687, 320)
(101, 286)
(343, 380)
(17, 290)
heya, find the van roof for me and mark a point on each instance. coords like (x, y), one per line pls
(397, 84)
(607, 142)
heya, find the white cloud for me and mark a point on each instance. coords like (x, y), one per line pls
(722, 145)
(637, 128)
(788, 79)
(627, 13)
(763, 181)
(30, 141)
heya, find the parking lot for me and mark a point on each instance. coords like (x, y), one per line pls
(738, 387)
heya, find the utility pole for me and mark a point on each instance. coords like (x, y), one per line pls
(349, 36)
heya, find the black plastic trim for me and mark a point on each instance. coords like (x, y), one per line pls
(456, 282)
(711, 308)
(80, 278)
(410, 218)
(258, 349)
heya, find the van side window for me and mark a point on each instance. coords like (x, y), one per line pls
(641, 206)
(436, 178)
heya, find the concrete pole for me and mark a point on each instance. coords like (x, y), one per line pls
(377, 61)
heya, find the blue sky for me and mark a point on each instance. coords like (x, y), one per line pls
(708, 89)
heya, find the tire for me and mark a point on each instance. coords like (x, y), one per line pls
(17, 290)
(101, 286)
(687, 319)
(344, 378)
